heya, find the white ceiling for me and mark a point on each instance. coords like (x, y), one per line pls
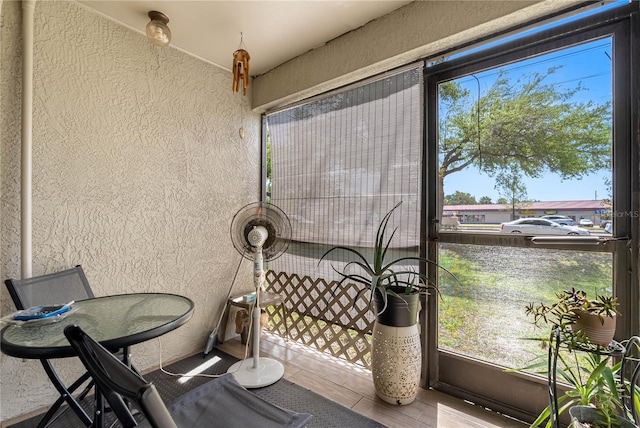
(273, 32)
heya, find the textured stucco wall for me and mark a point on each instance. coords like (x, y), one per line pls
(417, 30)
(138, 171)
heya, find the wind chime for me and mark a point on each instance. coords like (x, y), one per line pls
(241, 68)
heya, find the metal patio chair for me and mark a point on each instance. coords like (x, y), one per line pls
(54, 289)
(220, 402)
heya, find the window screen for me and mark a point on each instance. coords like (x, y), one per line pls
(341, 162)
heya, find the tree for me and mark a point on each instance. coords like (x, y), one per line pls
(510, 185)
(522, 124)
(460, 198)
(607, 202)
(485, 200)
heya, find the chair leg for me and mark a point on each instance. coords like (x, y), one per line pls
(98, 419)
(65, 396)
(87, 390)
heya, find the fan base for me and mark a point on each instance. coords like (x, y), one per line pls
(268, 372)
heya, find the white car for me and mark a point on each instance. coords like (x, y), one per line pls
(540, 226)
(585, 222)
(560, 219)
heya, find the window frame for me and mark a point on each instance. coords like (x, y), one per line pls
(619, 24)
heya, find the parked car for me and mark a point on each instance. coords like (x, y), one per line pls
(608, 227)
(540, 226)
(585, 222)
(560, 219)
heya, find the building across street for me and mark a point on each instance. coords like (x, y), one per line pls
(595, 210)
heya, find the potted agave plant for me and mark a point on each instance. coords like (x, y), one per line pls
(393, 290)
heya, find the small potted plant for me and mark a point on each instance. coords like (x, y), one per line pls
(591, 320)
(393, 290)
(603, 416)
(603, 405)
(593, 393)
(586, 325)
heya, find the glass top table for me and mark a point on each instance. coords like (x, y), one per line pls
(116, 322)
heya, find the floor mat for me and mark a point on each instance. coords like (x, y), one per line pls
(326, 413)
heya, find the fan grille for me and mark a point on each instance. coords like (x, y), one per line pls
(271, 218)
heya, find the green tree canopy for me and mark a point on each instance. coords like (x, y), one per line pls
(523, 124)
(460, 198)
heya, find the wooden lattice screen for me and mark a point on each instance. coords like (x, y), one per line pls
(321, 319)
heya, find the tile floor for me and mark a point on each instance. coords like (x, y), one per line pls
(352, 387)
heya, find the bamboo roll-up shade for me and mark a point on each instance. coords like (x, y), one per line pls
(340, 163)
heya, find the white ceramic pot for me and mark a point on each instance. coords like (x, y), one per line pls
(396, 357)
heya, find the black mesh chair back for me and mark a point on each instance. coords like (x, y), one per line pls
(115, 380)
(221, 402)
(52, 289)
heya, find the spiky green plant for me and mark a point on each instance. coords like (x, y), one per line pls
(592, 382)
(381, 275)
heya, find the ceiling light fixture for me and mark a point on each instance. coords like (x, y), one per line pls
(157, 30)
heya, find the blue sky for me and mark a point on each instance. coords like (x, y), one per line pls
(549, 188)
(588, 64)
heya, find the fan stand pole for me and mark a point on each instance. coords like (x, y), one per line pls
(257, 372)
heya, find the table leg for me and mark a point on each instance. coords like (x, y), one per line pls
(222, 328)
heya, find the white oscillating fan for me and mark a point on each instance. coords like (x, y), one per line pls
(260, 232)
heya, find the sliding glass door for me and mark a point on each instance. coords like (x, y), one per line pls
(528, 140)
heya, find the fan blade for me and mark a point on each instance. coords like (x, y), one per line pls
(261, 214)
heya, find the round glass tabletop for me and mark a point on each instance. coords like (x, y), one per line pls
(115, 321)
